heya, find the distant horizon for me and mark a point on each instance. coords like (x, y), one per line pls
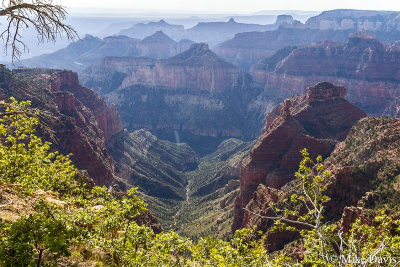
(224, 6)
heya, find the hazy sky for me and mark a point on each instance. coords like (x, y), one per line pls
(225, 6)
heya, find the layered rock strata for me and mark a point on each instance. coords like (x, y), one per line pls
(316, 121)
(368, 69)
(77, 120)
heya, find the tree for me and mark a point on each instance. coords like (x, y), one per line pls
(46, 18)
(324, 243)
(24, 158)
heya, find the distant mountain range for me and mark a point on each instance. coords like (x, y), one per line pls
(209, 32)
(81, 54)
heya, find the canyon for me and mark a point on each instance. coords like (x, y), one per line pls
(194, 95)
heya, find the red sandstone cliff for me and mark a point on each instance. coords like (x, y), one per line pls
(107, 118)
(77, 120)
(368, 69)
(315, 121)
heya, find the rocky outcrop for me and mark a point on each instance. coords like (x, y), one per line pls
(316, 121)
(367, 68)
(106, 117)
(365, 176)
(77, 120)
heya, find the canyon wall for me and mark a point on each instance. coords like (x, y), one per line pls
(76, 119)
(368, 69)
(316, 121)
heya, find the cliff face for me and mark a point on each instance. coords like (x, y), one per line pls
(358, 20)
(107, 118)
(316, 121)
(80, 121)
(363, 65)
(196, 69)
(192, 96)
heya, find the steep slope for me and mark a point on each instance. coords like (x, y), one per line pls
(193, 96)
(198, 68)
(157, 167)
(316, 121)
(77, 120)
(365, 175)
(212, 188)
(369, 69)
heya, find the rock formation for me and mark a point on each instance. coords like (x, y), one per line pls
(80, 121)
(365, 171)
(106, 117)
(358, 20)
(367, 68)
(196, 69)
(247, 48)
(316, 121)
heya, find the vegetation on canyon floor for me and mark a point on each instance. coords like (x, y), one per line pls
(69, 222)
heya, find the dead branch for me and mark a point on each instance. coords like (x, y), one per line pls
(46, 18)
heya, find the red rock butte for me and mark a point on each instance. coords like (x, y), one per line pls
(316, 121)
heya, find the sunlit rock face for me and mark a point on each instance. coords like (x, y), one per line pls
(316, 121)
(76, 119)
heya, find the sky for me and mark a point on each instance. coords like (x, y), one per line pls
(227, 6)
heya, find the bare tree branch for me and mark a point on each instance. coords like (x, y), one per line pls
(46, 18)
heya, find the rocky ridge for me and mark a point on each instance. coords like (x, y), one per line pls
(365, 177)
(80, 122)
(317, 121)
(81, 54)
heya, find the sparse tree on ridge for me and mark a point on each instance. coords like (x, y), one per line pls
(45, 17)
